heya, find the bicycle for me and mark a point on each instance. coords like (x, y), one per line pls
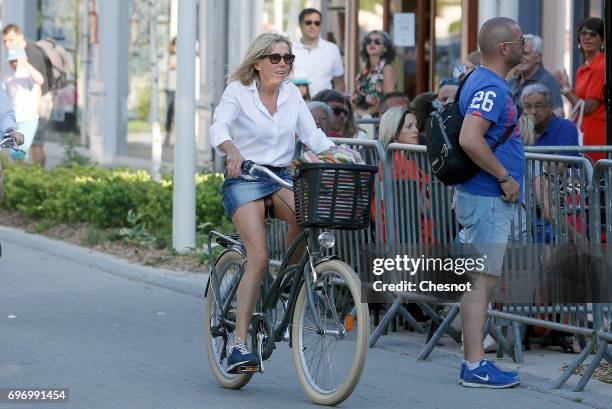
(315, 304)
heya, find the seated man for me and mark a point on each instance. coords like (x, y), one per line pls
(548, 130)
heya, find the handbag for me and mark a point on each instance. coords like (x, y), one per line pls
(577, 115)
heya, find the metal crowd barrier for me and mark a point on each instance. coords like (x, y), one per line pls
(365, 123)
(417, 214)
(368, 121)
(565, 201)
(581, 150)
(554, 213)
(555, 210)
(601, 202)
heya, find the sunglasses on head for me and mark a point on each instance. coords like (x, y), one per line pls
(275, 58)
(311, 22)
(376, 41)
(588, 33)
(448, 81)
(340, 111)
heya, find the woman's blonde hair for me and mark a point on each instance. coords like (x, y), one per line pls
(526, 126)
(390, 123)
(260, 46)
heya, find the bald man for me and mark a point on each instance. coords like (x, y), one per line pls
(485, 204)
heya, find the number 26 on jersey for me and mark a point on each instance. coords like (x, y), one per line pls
(483, 100)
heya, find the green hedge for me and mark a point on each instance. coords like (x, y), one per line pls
(105, 197)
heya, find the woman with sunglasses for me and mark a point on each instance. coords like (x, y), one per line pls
(589, 84)
(378, 76)
(344, 124)
(259, 115)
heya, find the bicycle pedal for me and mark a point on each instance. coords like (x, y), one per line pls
(248, 369)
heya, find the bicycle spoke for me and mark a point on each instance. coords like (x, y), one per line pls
(327, 356)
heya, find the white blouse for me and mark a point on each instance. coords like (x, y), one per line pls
(263, 138)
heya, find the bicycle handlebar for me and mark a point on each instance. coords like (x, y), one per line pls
(248, 167)
(9, 142)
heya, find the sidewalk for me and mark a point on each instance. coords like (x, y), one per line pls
(540, 368)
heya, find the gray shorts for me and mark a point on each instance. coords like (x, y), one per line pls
(44, 111)
(486, 225)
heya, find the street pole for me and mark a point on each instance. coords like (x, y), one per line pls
(156, 142)
(183, 205)
(86, 63)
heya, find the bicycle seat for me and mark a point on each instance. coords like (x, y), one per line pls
(269, 206)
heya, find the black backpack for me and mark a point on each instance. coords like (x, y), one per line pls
(449, 162)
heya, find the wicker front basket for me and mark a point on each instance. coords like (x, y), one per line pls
(334, 195)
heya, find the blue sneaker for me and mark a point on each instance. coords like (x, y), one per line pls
(464, 368)
(487, 375)
(240, 357)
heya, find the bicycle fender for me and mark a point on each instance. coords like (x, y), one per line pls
(209, 277)
(324, 259)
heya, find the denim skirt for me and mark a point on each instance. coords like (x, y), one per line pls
(238, 191)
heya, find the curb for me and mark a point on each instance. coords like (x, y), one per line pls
(188, 283)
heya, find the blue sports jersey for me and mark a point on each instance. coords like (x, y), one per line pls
(487, 95)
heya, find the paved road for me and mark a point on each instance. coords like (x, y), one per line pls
(120, 343)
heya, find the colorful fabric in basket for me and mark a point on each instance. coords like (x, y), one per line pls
(335, 154)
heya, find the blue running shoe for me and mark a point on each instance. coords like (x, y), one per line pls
(464, 368)
(488, 375)
(240, 357)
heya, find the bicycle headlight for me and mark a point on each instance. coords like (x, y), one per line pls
(327, 240)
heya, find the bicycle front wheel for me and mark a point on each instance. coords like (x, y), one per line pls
(329, 363)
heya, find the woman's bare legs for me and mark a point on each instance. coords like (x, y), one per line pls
(249, 222)
(284, 209)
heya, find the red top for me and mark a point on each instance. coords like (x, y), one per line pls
(590, 80)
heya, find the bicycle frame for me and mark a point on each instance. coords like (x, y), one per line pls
(271, 294)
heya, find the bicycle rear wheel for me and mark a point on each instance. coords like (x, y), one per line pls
(329, 364)
(227, 268)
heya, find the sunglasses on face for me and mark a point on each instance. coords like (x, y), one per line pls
(340, 111)
(311, 22)
(275, 58)
(376, 41)
(588, 33)
(520, 41)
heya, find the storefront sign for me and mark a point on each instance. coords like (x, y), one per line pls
(403, 29)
